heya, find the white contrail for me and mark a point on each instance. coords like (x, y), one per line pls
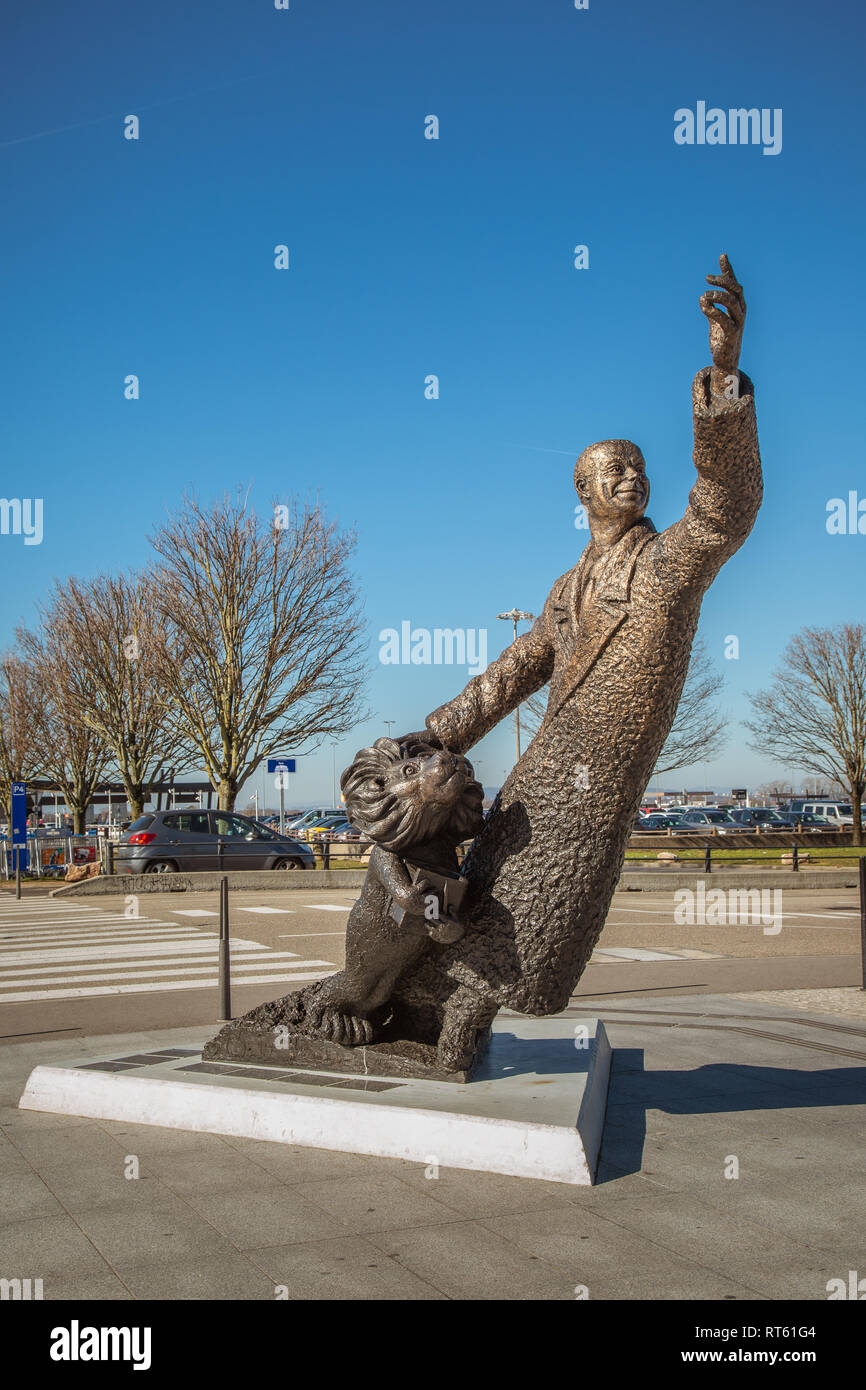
(151, 106)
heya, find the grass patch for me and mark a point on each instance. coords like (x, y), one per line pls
(744, 856)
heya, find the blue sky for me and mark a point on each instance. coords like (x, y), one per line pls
(410, 257)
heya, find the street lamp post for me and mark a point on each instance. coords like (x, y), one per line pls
(516, 617)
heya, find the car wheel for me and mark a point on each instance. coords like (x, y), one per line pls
(288, 864)
(161, 866)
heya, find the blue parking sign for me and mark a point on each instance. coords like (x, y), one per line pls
(274, 764)
(19, 819)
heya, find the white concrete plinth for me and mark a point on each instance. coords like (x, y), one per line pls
(535, 1108)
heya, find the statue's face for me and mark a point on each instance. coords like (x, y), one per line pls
(612, 482)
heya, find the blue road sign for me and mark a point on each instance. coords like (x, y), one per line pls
(19, 820)
(274, 764)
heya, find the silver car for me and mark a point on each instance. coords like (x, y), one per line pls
(167, 842)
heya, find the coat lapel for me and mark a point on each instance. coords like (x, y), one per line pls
(586, 629)
(566, 603)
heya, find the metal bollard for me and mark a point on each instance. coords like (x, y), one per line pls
(863, 920)
(796, 858)
(708, 865)
(326, 854)
(17, 872)
(225, 984)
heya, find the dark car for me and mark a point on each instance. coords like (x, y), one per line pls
(656, 820)
(707, 819)
(763, 816)
(807, 820)
(167, 842)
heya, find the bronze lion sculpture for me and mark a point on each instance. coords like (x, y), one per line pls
(417, 803)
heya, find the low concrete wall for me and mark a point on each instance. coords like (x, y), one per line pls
(649, 880)
(257, 880)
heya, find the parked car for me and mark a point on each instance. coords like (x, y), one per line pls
(313, 818)
(763, 816)
(313, 812)
(339, 830)
(807, 820)
(319, 824)
(322, 827)
(708, 819)
(165, 842)
(840, 814)
(657, 820)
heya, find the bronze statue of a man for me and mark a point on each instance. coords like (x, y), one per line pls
(614, 642)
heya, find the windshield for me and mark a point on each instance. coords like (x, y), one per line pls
(717, 816)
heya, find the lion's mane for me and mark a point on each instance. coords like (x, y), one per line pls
(396, 820)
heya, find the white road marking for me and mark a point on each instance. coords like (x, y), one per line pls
(52, 953)
(289, 935)
(155, 987)
(26, 943)
(329, 907)
(285, 972)
(193, 912)
(116, 921)
(634, 953)
(91, 953)
(279, 911)
(668, 912)
(69, 970)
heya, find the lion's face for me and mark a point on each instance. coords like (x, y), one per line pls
(402, 796)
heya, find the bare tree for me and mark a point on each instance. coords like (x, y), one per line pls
(698, 731)
(813, 716)
(114, 634)
(73, 755)
(20, 747)
(268, 616)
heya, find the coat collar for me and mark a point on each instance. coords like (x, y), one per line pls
(585, 630)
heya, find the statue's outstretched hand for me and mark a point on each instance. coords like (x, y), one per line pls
(423, 736)
(726, 328)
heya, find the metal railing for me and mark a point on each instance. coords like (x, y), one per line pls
(789, 857)
(50, 855)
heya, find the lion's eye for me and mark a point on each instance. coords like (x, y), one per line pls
(410, 770)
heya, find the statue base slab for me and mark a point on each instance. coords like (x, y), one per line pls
(535, 1107)
(253, 1038)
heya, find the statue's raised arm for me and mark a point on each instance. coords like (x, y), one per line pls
(725, 499)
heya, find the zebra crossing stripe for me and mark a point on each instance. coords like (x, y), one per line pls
(151, 987)
(52, 953)
(244, 961)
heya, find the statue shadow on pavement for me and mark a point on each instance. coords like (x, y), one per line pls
(716, 1089)
(511, 1055)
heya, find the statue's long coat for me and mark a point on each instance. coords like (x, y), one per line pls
(544, 868)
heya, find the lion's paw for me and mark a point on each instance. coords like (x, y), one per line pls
(340, 1026)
